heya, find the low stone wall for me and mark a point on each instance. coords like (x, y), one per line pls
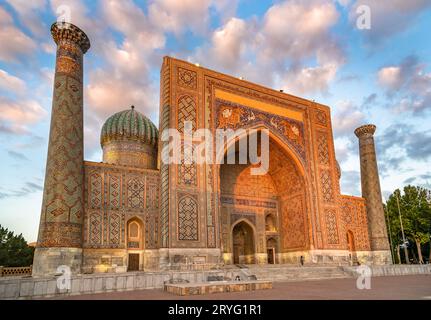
(34, 288)
(394, 270)
(15, 271)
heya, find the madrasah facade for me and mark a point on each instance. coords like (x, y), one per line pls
(133, 212)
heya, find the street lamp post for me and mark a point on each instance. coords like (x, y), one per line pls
(390, 236)
(406, 253)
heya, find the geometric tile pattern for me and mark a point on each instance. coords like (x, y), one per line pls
(114, 191)
(188, 218)
(96, 192)
(135, 193)
(152, 201)
(371, 190)
(62, 206)
(320, 117)
(186, 112)
(322, 148)
(165, 101)
(187, 78)
(151, 232)
(292, 222)
(331, 227)
(114, 230)
(354, 219)
(326, 185)
(164, 182)
(95, 229)
(188, 170)
(348, 214)
(105, 225)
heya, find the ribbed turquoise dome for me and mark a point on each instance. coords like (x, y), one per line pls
(129, 125)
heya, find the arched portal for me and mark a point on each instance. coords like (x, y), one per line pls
(275, 202)
(243, 243)
(135, 244)
(351, 246)
(351, 241)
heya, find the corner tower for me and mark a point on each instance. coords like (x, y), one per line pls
(60, 231)
(371, 191)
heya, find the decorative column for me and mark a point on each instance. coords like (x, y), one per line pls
(60, 231)
(371, 191)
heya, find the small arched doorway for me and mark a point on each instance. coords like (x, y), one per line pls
(271, 249)
(243, 243)
(351, 246)
(134, 244)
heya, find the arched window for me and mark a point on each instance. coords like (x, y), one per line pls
(134, 235)
(270, 223)
(134, 230)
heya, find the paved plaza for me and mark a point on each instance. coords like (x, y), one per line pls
(382, 288)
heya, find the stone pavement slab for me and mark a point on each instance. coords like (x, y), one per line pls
(382, 288)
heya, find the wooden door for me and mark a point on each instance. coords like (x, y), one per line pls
(271, 254)
(237, 252)
(133, 262)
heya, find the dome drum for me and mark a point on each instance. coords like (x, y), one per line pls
(130, 153)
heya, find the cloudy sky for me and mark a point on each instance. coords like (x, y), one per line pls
(314, 49)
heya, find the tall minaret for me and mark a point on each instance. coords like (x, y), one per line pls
(371, 192)
(60, 231)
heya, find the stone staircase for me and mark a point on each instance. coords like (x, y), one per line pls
(280, 273)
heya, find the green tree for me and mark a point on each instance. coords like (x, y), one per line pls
(415, 207)
(418, 215)
(14, 250)
(394, 226)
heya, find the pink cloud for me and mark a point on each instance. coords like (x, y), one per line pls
(21, 112)
(14, 42)
(179, 15)
(273, 50)
(29, 14)
(347, 118)
(11, 83)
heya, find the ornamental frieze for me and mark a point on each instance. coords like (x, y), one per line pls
(249, 216)
(234, 116)
(248, 202)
